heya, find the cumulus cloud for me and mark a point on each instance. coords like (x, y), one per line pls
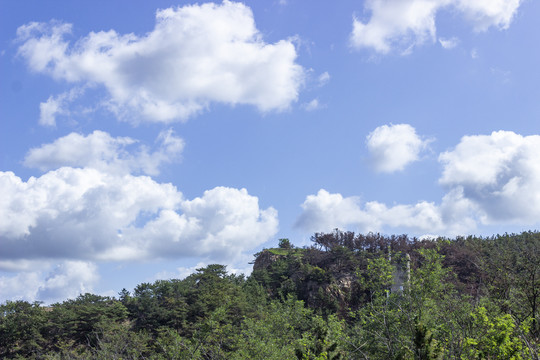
(99, 150)
(490, 179)
(50, 283)
(404, 24)
(325, 211)
(182, 272)
(89, 207)
(68, 280)
(329, 211)
(86, 214)
(393, 147)
(23, 286)
(487, 13)
(195, 55)
(48, 111)
(499, 173)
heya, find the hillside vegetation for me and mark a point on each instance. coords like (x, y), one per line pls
(347, 296)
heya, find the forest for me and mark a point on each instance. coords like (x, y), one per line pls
(346, 296)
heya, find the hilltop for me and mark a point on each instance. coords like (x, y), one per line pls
(348, 296)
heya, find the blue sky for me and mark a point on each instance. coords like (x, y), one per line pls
(141, 140)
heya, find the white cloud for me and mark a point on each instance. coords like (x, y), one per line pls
(23, 286)
(325, 211)
(324, 78)
(101, 151)
(490, 180)
(487, 13)
(68, 280)
(48, 111)
(87, 214)
(403, 24)
(57, 105)
(91, 208)
(50, 284)
(180, 273)
(221, 224)
(396, 23)
(392, 147)
(499, 173)
(449, 43)
(195, 55)
(312, 105)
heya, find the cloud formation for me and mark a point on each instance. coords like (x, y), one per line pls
(489, 179)
(195, 55)
(57, 105)
(326, 211)
(49, 109)
(51, 284)
(449, 43)
(78, 217)
(312, 105)
(99, 150)
(323, 79)
(393, 147)
(86, 214)
(403, 24)
(499, 173)
(90, 206)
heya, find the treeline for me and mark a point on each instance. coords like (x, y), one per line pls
(347, 296)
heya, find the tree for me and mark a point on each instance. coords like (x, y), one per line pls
(285, 244)
(494, 337)
(22, 329)
(77, 319)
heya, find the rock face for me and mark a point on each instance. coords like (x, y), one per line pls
(264, 260)
(285, 271)
(323, 279)
(340, 289)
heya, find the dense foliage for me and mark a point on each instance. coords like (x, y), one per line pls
(347, 296)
